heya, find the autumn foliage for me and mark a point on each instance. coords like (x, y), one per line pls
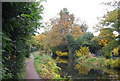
(60, 28)
(105, 36)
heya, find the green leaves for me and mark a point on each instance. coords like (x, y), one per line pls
(111, 17)
(70, 41)
(26, 15)
(20, 20)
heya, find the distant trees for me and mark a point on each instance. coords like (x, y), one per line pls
(110, 23)
(112, 18)
(67, 36)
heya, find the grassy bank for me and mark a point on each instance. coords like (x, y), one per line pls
(46, 66)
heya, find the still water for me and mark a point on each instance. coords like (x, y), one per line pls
(74, 70)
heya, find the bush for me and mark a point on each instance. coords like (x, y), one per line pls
(116, 50)
(112, 63)
(46, 66)
(83, 51)
(59, 53)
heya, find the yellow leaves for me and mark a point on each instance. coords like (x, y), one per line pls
(113, 35)
(60, 28)
(59, 60)
(62, 61)
(42, 66)
(59, 53)
(116, 50)
(113, 63)
(103, 42)
(117, 62)
(39, 39)
(100, 43)
(47, 67)
(57, 76)
(83, 51)
(77, 31)
(58, 67)
(49, 63)
(106, 40)
(107, 34)
(49, 50)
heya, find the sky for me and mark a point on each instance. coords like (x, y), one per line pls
(85, 10)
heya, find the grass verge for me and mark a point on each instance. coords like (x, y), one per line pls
(46, 66)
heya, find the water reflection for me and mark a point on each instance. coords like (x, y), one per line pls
(73, 70)
(82, 69)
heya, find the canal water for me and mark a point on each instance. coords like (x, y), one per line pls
(74, 70)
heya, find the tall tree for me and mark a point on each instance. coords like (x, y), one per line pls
(111, 19)
(63, 26)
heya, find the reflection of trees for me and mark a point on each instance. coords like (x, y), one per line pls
(85, 69)
(60, 60)
(82, 69)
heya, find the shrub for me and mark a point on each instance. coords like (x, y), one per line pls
(59, 53)
(46, 66)
(112, 63)
(116, 50)
(83, 51)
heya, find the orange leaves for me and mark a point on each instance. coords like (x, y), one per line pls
(62, 27)
(77, 31)
(103, 42)
(105, 36)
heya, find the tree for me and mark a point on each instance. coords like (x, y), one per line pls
(71, 46)
(112, 18)
(108, 50)
(86, 40)
(105, 36)
(108, 41)
(63, 26)
(19, 22)
(39, 40)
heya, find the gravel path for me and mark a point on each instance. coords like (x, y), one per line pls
(31, 71)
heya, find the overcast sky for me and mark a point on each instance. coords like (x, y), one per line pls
(86, 10)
